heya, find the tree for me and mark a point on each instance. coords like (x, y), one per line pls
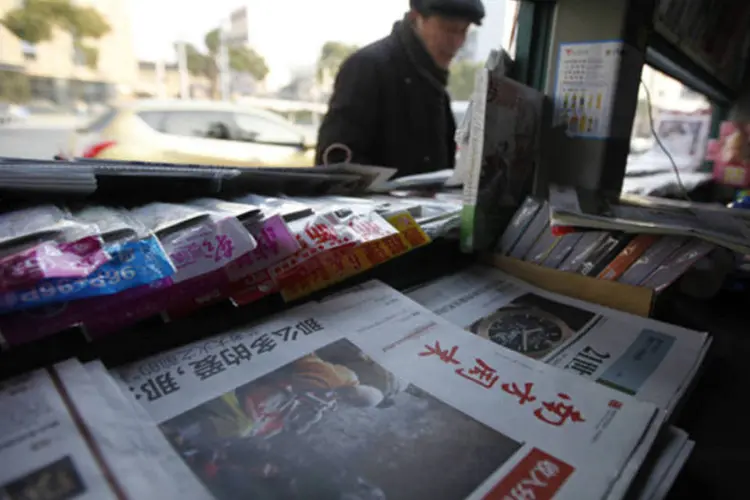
(461, 80)
(332, 54)
(36, 20)
(242, 59)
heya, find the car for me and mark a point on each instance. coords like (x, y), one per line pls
(12, 113)
(193, 132)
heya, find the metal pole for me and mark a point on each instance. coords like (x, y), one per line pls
(224, 60)
(183, 69)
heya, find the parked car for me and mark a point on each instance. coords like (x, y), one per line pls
(193, 132)
(12, 113)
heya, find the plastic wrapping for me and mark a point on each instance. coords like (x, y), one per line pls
(133, 263)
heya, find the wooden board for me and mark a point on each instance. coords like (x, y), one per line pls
(631, 299)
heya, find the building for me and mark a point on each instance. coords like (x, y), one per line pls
(57, 73)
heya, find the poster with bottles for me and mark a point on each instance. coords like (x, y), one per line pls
(585, 86)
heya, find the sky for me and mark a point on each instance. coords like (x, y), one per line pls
(288, 33)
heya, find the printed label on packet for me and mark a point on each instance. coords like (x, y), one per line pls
(275, 242)
(134, 263)
(51, 259)
(331, 230)
(337, 265)
(206, 247)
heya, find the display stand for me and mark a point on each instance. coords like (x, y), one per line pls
(627, 298)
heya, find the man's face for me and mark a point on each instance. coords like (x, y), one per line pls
(443, 36)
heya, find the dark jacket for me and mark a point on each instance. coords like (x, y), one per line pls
(391, 108)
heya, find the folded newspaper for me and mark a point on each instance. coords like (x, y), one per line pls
(329, 402)
(647, 359)
(579, 208)
(60, 438)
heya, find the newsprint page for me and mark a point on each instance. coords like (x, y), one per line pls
(370, 395)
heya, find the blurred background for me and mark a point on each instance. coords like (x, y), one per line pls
(237, 82)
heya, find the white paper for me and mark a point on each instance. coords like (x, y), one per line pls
(409, 389)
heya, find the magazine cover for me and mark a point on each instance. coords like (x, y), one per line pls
(506, 121)
(327, 402)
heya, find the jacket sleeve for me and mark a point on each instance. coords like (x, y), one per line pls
(352, 118)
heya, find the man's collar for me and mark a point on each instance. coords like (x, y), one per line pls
(406, 34)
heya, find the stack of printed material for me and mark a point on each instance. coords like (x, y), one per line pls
(646, 359)
(647, 259)
(365, 395)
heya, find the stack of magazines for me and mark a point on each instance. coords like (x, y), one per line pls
(652, 252)
(365, 395)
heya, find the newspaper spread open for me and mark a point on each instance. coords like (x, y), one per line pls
(328, 402)
(648, 359)
(719, 225)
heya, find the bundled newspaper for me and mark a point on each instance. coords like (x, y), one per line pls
(646, 359)
(61, 437)
(368, 394)
(570, 207)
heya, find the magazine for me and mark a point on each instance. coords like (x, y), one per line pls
(326, 401)
(497, 157)
(647, 359)
(726, 227)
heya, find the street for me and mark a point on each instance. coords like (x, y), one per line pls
(41, 139)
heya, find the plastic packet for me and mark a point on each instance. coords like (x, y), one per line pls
(28, 264)
(289, 209)
(114, 224)
(162, 217)
(243, 211)
(44, 221)
(199, 252)
(134, 263)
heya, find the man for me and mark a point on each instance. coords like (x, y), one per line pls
(389, 105)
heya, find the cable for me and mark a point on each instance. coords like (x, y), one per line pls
(661, 144)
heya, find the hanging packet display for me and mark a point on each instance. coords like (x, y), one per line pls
(133, 263)
(56, 246)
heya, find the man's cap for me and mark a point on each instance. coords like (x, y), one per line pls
(471, 10)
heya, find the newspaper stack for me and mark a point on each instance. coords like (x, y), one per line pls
(570, 207)
(363, 396)
(646, 359)
(647, 259)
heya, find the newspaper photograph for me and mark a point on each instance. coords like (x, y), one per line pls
(279, 436)
(325, 401)
(483, 301)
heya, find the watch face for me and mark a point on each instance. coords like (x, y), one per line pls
(529, 331)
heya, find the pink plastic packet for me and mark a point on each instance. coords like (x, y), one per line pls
(275, 242)
(51, 259)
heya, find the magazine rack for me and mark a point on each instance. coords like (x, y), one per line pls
(627, 298)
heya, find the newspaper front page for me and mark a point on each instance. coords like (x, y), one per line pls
(328, 401)
(647, 359)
